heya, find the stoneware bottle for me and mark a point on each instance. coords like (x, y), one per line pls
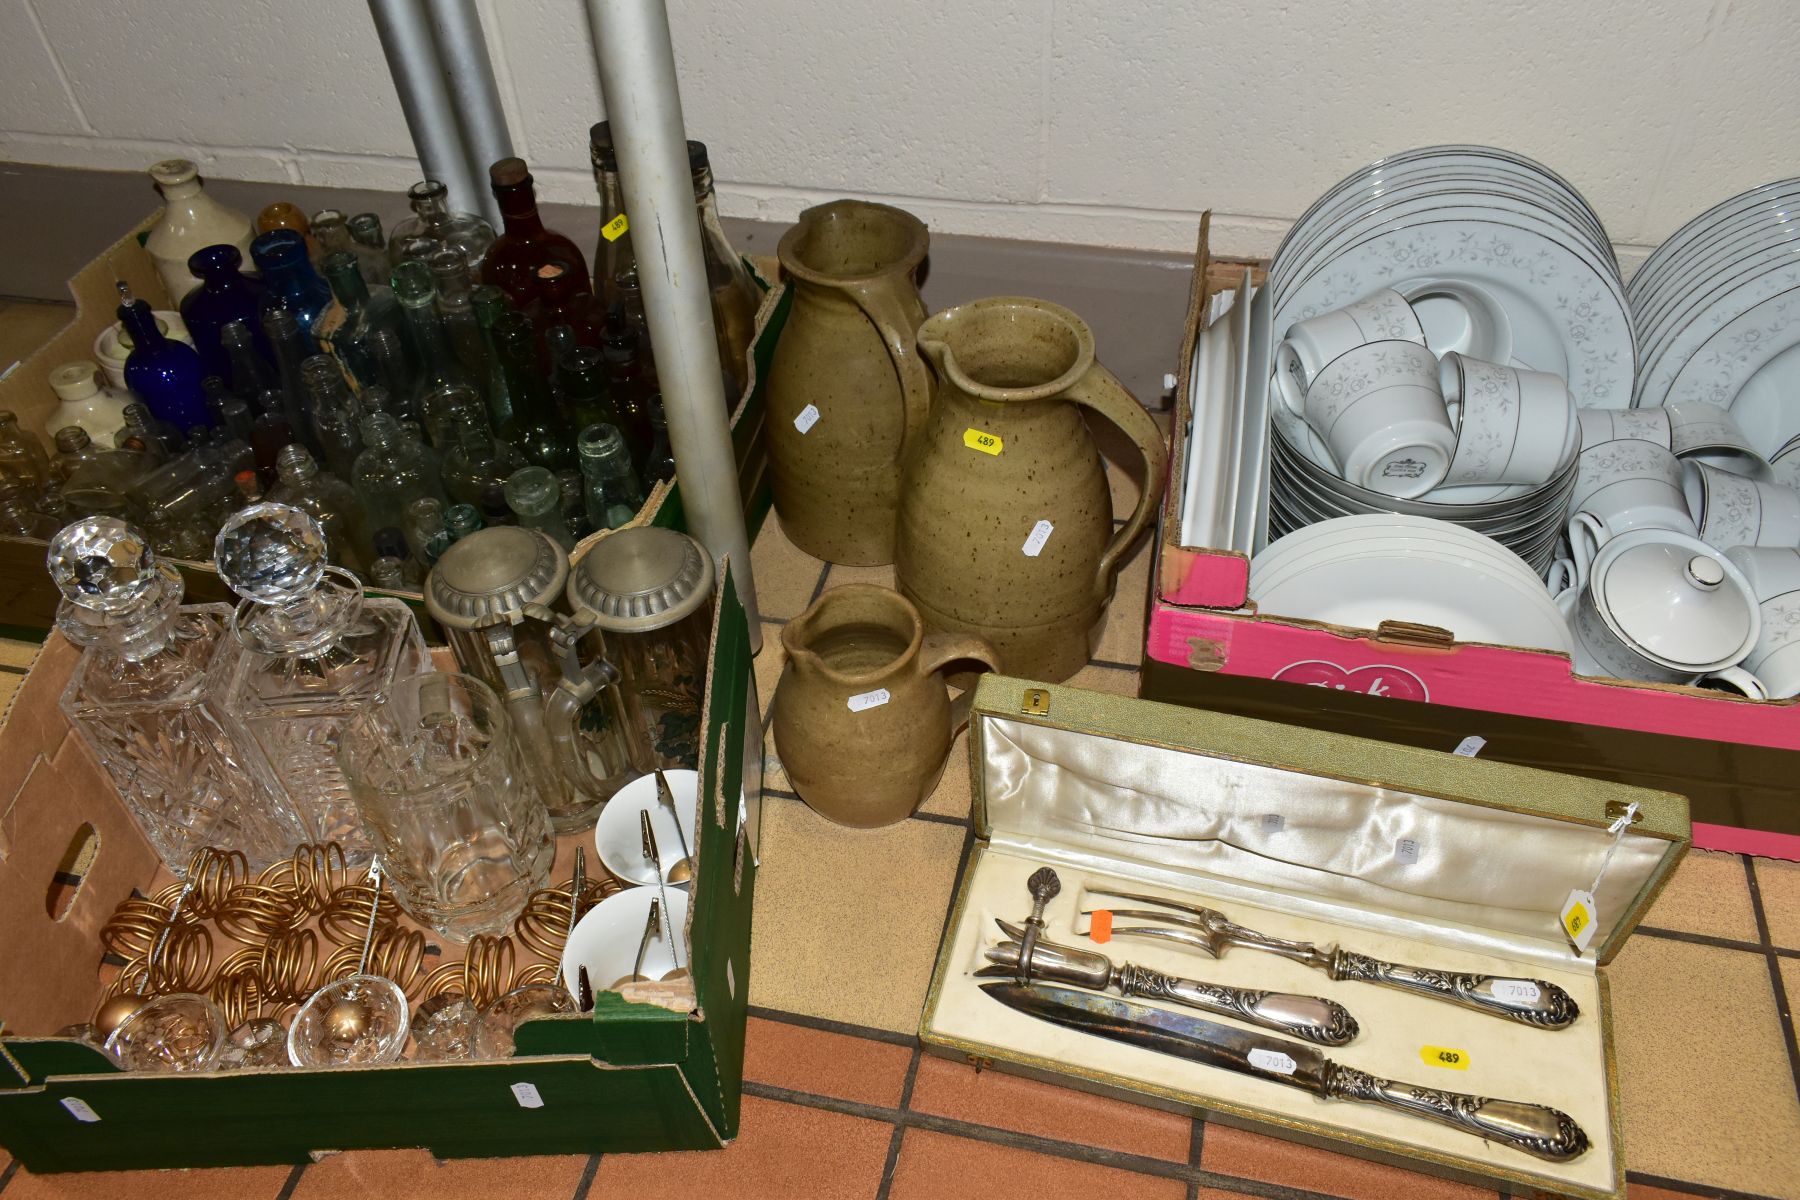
(847, 391)
(1006, 521)
(191, 220)
(864, 722)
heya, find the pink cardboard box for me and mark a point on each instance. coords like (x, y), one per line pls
(1737, 760)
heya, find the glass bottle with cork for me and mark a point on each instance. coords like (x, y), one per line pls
(524, 243)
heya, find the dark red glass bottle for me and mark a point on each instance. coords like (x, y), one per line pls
(566, 298)
(524, 244)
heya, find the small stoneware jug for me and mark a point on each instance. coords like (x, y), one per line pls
(1006, 521)
(863, 723)
(847, 393)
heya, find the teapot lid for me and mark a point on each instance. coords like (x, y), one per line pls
(1675, 599)
(493, 574)
(641, 578)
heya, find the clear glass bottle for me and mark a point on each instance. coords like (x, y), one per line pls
(190, 220)
(388, 573)
(524, 243)
(612, 248)
(370, 247)
(443, 389)
(143, 432)
(424, 528)
(247, 372)
(629, 386)
(335, 415)
(95, 480)
(314, 652)
(490, 305)
(534, 427)
(82, 399)
(581, 376)
(287, 350)
(326, 499)
(394, 372)
(456, 310)
(434, 222)
(250, 488)
(614, 494)
(330, 234)
(347, 328)
(390, 546)
(477, 461)
(19, 517)
(270, 434)
(391, 473)
(573, 503)
(148, 697)
(22, 458)
(535, 497)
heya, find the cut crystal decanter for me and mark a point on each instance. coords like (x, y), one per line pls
(148, 698)
(314, 652)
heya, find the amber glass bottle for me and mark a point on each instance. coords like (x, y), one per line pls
(524, 244)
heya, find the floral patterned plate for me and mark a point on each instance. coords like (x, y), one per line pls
(1562, 315)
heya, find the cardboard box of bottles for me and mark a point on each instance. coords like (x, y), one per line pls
(27, 599)
(1208, 646)
(629, 1076)
(1431, 859)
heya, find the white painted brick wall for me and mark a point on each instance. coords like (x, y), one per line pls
(1091, 121)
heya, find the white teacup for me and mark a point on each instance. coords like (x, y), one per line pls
(1379, 410)
(1784, 464)
(1707, 433)
(1733, 511)
(1665, 608)
(1600, 425)
(1512, 426)
(1310, 345)
(1623, 485)
(1774, 575)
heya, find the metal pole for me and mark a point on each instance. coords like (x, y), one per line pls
(637, 76)
(469, 74)
(412, 59)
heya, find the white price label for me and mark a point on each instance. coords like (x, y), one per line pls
(1522, 990)
(527, 1095)
(1273, 822)
(863, 701)
(1272, 1060)
(1579, 915)
(809, 416)
(1040, 533)
(1470, 746)
(80, 1109)
(1406, 850)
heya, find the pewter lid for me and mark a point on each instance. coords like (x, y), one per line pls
(103, 565)
(641, 578)
(271, 553)
(492, 574)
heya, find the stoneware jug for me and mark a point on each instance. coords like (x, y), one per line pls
(863, 722)
(1006, 522)
(847, 392)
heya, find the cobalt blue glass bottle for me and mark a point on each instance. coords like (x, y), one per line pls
(281, 255)
(162, 372)
(225, 294)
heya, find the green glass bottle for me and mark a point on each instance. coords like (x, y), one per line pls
(582, 374)
(346, 329)
(443, 391)
(490, 304)
(614, 494)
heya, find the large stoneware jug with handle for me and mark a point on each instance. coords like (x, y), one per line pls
(847, 392)
(863, 723)
(1006, 521)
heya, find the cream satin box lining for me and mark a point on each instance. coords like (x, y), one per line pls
(1397, 853)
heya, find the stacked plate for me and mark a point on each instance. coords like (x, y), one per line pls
(1718, 310)
(1360, 571)
(1502, 259)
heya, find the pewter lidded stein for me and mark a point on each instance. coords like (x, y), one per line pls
(148, 698)
(645, 593)
(491, 592)
(314, 653)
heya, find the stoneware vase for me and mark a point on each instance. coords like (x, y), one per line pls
(863, 722)
(847, 392)
(1006, 521)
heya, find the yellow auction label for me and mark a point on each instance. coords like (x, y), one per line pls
(615, 229)
(1444, 1056)
(987, 443)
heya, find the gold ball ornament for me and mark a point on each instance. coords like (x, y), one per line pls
(347, 1020)
(114, 1011)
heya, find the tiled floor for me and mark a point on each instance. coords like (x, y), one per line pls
(842, 1103)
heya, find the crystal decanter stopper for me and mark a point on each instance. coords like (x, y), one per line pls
(148, 702)
(315, 651)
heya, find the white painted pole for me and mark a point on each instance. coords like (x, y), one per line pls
(418, 73)
(469, 76)
(643, 103)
